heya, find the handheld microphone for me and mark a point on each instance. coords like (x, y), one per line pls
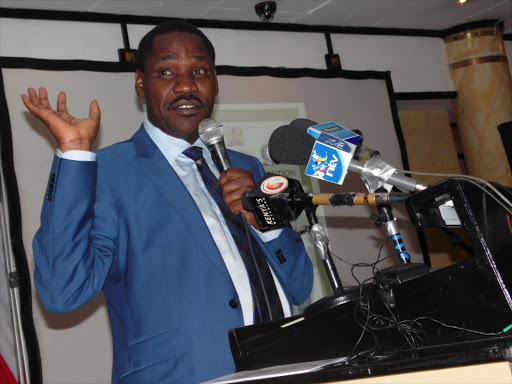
(211, 133)
(291, 144)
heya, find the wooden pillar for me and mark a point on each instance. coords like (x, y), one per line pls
(480, 73)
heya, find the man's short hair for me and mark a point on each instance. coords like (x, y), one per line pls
(146, 44)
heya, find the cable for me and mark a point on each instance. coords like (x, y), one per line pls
(495, 190)
(362, 265)
(458, 328)
(376, 325)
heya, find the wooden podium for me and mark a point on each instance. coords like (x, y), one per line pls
(490, 373)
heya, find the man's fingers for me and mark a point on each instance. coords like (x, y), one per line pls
(32, 96)
(43, 98)
(237, 186)
(70, 132)
(35, 102)
(61, 102)
(30, 106)
(94, 111)
(26, 101)
(43, 93)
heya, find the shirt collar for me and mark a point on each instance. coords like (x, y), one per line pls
(171, 147)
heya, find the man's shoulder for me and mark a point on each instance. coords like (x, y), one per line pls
(241, 157)
(120, 149)
(248, 162)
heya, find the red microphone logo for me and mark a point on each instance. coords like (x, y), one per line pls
(274, 184)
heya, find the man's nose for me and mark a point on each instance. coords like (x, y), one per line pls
(185, 84)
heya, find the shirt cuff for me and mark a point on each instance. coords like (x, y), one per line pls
(77, 155)
(269, 235)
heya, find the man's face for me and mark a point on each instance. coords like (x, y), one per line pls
(179, 84)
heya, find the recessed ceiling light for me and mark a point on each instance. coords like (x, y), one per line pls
(460, 2)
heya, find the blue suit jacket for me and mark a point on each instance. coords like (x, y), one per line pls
(128, 226)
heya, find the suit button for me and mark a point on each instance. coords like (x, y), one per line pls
(50, 188)
(233, 303)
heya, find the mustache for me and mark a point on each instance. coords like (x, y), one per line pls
(186, 98)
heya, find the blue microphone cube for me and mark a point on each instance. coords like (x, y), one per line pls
(336, 130)
(330, 159)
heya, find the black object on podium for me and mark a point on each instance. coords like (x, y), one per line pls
(505, 130)
(400, 320)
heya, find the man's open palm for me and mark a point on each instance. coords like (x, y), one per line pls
(70, 132)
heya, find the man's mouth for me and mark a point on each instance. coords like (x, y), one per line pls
(186, 104)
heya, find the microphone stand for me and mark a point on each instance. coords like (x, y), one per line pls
(391, 225)
(320, 241)
(406, 270)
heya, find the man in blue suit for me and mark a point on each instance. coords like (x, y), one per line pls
(136, 221)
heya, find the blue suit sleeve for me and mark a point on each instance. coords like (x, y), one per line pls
(71, 261)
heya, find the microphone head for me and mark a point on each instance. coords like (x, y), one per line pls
(210, 131)
(302, 124)
(292, 144)
(265, 155)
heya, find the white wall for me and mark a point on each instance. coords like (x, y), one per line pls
(59, 39)
(411, 72)
(417, 64)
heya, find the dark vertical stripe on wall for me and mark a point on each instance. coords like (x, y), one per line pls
(12, 201)
(124, 32)
(396, 121)
(329, 43)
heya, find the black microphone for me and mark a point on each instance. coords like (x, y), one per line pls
(276, 200)
(292, 144)
(211, 133)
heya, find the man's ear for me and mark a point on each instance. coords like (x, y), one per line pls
(139, 83)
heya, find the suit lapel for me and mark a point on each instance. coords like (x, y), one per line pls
(165, 179)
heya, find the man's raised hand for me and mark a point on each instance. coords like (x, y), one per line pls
(70, 132)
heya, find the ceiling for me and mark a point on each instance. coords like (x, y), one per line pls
(405, 14)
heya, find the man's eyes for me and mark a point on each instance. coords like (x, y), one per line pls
(195, 71)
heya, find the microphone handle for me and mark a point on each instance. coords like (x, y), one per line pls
(396, 179)
(353, 198)
(219, 155)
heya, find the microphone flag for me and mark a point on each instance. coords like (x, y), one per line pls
(330, 158)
